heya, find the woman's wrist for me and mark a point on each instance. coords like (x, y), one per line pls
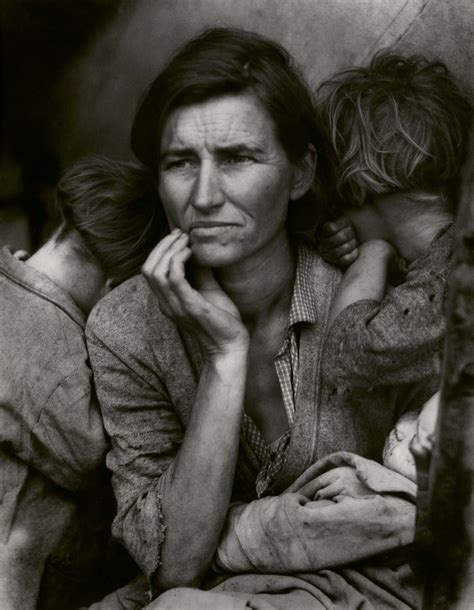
(228, 357)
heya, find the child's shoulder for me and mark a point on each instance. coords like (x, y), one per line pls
(438, 256)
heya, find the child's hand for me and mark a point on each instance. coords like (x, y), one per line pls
(337, 242)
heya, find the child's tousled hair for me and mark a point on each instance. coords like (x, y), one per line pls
(111, 207)
(401, 124)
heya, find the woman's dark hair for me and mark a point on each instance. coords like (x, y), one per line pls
(112, 208)
(400, 124)
(225, 61)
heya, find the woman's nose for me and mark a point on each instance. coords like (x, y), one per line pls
(207, 188)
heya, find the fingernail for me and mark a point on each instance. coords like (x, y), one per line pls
(175, 231)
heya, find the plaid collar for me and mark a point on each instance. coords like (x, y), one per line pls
(303, 305)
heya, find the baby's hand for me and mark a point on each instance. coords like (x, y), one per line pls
(422, 445)
(426, 428)
(337, 242)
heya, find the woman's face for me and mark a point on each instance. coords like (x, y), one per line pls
(225, 179)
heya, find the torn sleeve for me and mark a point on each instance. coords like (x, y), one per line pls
(145, 434)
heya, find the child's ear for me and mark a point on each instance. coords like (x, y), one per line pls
(303, 174)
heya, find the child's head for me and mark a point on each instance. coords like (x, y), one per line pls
(399, 125)
(414, 430)
(109, 210)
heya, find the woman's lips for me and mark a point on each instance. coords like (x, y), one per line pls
(210, 228)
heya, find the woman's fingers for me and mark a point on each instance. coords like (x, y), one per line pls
(329, 492)
(208, 311)
(342, 481)
(157, 271)
(162, 267)
(191, 303)
(165, 273)
(156, 267)
(159, 250)
(176, 269)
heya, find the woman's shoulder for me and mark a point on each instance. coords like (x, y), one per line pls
(130, 307)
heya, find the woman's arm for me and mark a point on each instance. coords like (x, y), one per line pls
(197, 486)
(327, 518)
(172, 485)
(176, 484)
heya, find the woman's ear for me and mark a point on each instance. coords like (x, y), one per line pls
(303, 174)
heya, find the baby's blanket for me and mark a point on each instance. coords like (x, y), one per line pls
(338, 537)
(343, 509)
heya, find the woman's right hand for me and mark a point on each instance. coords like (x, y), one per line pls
(207, 312)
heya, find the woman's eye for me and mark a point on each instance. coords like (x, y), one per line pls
(178, 164)
(238, 159)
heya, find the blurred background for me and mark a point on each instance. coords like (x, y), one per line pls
(73, 71)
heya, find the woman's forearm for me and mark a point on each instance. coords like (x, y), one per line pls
(197, 487)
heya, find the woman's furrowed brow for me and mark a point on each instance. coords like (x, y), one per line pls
(176, 152)
(238, 149)
(224, 149)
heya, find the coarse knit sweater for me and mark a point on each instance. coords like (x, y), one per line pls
(146, 372)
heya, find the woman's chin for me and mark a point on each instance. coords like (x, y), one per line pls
(213, 256)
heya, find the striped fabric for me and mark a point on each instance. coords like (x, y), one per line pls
(272, 457)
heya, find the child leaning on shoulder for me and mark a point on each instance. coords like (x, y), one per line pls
(396, 136)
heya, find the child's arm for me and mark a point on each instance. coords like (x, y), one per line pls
(366, 278)
(394, 339)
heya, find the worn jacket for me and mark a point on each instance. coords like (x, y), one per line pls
(52, 441)
(146, 372)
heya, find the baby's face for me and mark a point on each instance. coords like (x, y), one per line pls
(396, 453)
(415, 428)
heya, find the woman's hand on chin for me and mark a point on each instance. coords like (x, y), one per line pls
(206, 311)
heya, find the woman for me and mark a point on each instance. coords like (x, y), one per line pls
(211, 392)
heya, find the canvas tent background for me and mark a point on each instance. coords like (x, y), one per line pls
(73, 71)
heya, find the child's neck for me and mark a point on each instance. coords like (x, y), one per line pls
(81, 278)
(411, 225)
